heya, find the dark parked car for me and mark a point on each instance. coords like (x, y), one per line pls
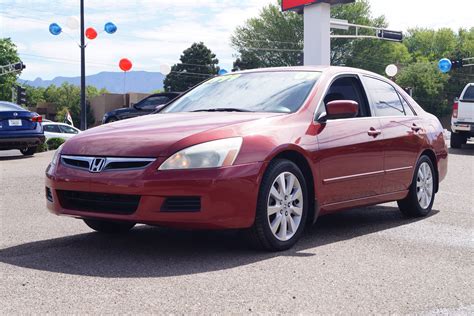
(20, 129)
(144, 107)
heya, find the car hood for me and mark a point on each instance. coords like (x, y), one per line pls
(155, 135)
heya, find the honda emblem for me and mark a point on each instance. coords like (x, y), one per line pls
(97, 165)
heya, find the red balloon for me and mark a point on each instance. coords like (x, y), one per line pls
(125, 64)
(91, 33)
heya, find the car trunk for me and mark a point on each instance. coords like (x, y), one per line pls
(16, 121)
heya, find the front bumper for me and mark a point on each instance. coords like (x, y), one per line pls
(228, 195)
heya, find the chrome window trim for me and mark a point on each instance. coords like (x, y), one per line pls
(108, 161)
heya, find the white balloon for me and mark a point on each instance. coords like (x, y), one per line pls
(72, 23)
(391, 70)
(165, 69)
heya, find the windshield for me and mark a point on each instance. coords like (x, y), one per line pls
(282, 92)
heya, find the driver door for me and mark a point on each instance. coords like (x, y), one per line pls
(351, 159)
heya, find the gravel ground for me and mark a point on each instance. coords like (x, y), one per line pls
(362, 261)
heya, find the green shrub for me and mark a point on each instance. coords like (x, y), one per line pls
(54, 143)
(42, 148)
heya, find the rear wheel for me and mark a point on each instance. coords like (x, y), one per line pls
(29, 151)
(109, 227)
(282, 208)
(457, 140)
(420, 199)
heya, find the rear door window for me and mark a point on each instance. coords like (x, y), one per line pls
(67, 129)
(469, 94)
(384, 97)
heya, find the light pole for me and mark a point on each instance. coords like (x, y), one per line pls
(83, 71)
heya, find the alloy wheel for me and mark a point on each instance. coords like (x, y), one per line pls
(285, 206)
(424, 185)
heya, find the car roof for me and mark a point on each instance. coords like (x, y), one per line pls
(6, 103)
(57, 123)
(325, 69)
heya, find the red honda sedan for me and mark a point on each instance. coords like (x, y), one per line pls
(266, 151)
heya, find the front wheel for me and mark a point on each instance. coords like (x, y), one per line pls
(420, 199)
(282, 208)
(29, 151)
(109, 227)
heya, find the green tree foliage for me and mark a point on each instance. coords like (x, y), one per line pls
(429, 86)
(66, 97)
(275, 39)
(197, 64)
(8, 55)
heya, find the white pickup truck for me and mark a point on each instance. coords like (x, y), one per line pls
(462, 121)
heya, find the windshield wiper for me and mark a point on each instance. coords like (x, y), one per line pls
(223, 110)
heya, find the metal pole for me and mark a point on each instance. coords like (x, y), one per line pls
(83, 72)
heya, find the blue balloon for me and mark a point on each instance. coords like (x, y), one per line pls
(445, 65)
(110, 28)
(55, 29)
(222, 72)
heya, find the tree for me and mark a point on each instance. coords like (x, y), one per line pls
(8, 55)
(429, 86)
(197, 64)
(275, 38)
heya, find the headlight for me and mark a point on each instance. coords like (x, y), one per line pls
(212, 154)
(52, 166)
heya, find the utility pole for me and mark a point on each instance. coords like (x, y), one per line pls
(83, 72)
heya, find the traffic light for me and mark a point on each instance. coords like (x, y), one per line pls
(457, 64)
(390, 35)
(19, 66)
(20, 95)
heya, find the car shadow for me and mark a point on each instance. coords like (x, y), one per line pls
(19, 157)
(159, 252)
(465, 150)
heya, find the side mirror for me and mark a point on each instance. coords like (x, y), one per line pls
(340, 109)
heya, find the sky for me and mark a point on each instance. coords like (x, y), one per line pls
(155, 32)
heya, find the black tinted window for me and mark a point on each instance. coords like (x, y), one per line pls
(51, 128)
(348, 88)
(384, 98)
(151, 103)
(7, 106)
(469, 94)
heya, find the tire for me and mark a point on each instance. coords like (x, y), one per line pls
(109, 227)
(290, 209)
(457, 140)
(111, 120)
(30, 151)
(419, 201)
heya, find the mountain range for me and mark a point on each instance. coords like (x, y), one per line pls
(114, 82)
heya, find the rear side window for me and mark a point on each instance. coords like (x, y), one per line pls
(7, 106)
(469, 94)
(384, 98)
(51, 128)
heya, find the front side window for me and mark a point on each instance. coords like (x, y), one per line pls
(51, 129)
(280, 92)
(384, 98)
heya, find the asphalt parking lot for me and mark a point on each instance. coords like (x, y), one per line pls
(363, 261)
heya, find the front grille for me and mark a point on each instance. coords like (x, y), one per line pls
(109, 164)
(181, 204)
(120, 204)
(49, 195)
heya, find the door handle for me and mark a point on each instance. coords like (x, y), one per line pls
(374, 132)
